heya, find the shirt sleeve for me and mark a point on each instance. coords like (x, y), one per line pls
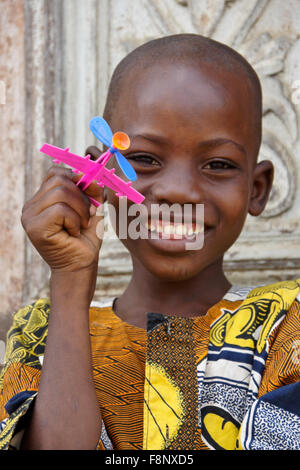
(273, 420)
(20, 376)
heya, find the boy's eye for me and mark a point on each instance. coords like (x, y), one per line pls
(219, 165)
(145, 160)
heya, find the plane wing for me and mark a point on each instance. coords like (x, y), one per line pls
(84, 164)
(81, 164)
(121, 187)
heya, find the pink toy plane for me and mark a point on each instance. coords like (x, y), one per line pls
(96, 170)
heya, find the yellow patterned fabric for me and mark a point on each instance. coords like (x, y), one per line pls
(207, 379)
(225, 380)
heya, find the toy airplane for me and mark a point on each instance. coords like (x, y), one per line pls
(96, 170)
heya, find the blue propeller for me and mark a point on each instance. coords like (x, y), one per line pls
(102, 131)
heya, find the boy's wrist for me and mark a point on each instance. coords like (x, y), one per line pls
(73, 287)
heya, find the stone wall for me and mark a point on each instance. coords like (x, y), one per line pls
(56, 58)
(12, 157)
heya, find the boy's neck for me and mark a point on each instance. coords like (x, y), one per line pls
(190, 298)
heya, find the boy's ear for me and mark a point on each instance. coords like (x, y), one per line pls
(262, 183)
(95, 153)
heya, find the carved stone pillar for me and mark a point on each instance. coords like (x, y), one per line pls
(12, 158)
(43, 79)
(30, 68)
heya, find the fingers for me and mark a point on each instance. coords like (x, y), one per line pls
(56, 170)
(52, 219)
(62, 194)
(59, 189)
(58, 176)
(93, 190)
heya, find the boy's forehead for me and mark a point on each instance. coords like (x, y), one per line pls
(205, 96)
(183, 86)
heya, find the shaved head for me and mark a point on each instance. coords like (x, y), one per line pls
(190, 49)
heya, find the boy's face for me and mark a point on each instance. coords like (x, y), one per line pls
(192, 142)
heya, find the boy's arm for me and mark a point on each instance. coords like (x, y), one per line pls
(66, 413)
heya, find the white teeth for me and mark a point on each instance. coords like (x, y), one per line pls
(179, 229)
(175, 228)
(169, 229)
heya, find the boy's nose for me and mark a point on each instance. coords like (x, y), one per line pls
(177, 186)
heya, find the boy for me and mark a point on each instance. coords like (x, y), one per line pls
(215, 368)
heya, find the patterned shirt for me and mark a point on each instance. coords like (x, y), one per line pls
(229, 379)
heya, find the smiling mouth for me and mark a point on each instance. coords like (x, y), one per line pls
(173, 230)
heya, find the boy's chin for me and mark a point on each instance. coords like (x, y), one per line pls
(173, 270)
